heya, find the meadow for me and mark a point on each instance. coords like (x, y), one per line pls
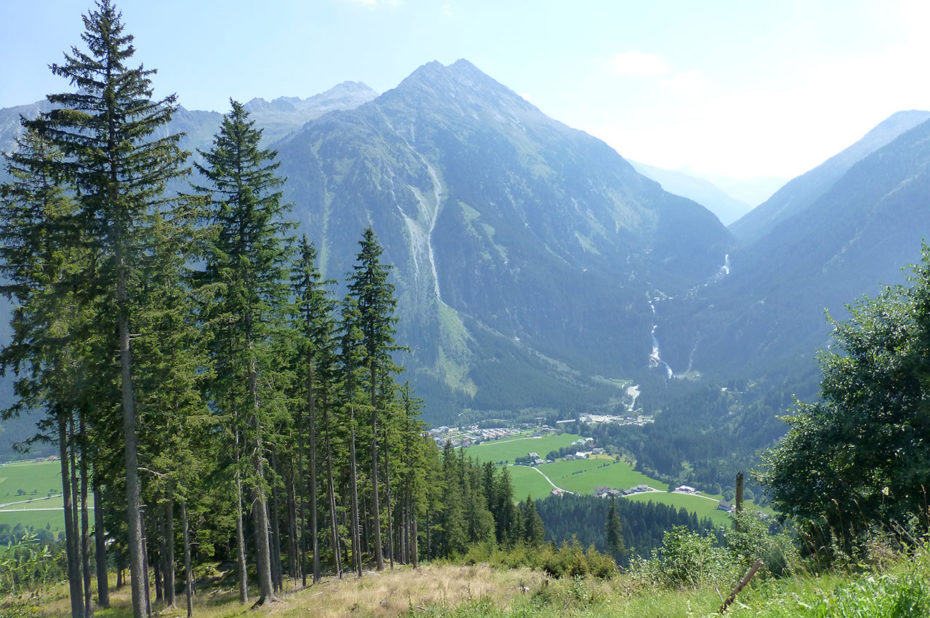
(507, 450)
(697, 504)
(25, 490)
(583, 475)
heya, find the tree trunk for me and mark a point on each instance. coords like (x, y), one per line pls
(276, 578)
(145, 568)
(356, 539)
(85, 523)
(301, 540)
(133, 516)
(387, 495)
(74, 578)
(75, 512)
(414, 557)
(100, 542)
(240, 532)
(157, 568)
(169, 551)
(375, 499)
(314, 532)
(260, 506)
(337, 556)
(188, 577)
(429, 525)
(292, 568)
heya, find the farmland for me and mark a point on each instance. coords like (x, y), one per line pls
(508, 449)
(583, 475)
(699, 505)
(25, 488)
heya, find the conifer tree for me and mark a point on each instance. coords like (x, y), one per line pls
(533, 532)
(117, 169)
(374, 298)
(246, 265)
(614, 530)
(314, 329)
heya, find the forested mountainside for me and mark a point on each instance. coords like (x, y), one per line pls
(526, 252)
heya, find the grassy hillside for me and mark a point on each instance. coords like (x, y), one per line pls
(899, 588)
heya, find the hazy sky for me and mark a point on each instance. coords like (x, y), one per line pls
(739, 88)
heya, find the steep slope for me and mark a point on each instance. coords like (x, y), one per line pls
(850, 241)
(525, 251)
(727, 208)
(803, 191)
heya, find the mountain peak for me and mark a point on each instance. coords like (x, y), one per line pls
(459, 85)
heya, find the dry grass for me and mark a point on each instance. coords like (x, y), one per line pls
(392, 593)
(389, 593)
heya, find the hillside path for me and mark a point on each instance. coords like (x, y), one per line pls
(549, 480)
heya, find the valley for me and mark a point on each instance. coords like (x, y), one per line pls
(433, 328)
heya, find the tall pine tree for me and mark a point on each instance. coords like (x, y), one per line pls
(117, 169)
(246, 265)
(374, 298)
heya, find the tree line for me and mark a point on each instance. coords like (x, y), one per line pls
(209, 395)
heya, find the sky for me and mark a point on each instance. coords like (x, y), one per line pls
(740, 89)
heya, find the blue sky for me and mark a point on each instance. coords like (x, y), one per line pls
(735, 88)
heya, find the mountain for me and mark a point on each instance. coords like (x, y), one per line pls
(856, 236)
(804, 190)
(280, 116)
(276, 118)
(525, 252)
(727, 208)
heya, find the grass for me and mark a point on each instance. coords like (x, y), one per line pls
(583, 475)
(527, 481)
(901, 589)
(702, 507)
(389, 593)
(508, 449)
(28, 485)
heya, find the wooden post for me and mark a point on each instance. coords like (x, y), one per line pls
(739, 492)
(752, 571)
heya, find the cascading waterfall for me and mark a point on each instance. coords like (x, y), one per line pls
(655, 360)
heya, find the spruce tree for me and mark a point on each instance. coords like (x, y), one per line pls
(374, 297)
(246, 265)
(614, 530)
(117, 170)
(314, 359)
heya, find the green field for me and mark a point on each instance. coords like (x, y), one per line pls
(508, 449)
(24, 490)
(702, 507)
(583, 475)
(527, 481)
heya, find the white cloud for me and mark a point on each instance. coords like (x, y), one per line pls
(638, 63)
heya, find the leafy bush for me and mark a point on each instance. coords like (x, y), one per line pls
(750, 539)
(570, 560)
(686, 559)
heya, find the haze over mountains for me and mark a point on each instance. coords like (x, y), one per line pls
(535, 267)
